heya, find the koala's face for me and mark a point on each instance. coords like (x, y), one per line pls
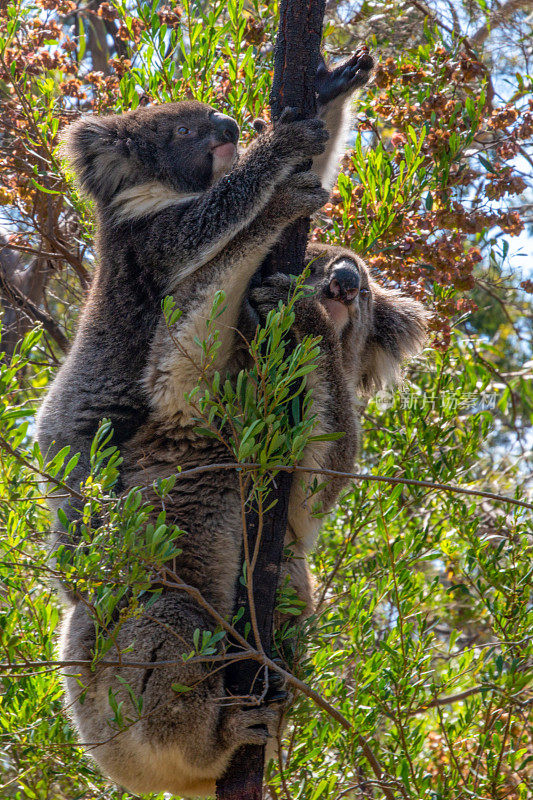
(184, 145)
(377, 327)
(343, 288)
(181, 146)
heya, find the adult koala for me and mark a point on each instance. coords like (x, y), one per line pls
(177, 215)
(165, 207)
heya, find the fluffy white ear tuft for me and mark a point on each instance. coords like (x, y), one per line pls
(100, 158)
(398, 332)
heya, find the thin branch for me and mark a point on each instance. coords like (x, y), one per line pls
(497, 18)
(87, 662)
(362, 476)
(249, 568)
(4, 445)
(18, 298)
(355, 476)
(448, 700)
(377, 769)
(192, 591)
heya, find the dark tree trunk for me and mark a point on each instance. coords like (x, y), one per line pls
(296, 60)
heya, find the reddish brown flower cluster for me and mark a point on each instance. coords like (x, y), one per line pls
(131, 31)
(503, 183)
(170, 16)
(254, 31)
(107, 11)
(60, 6)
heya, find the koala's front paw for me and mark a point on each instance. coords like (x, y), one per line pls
(300, 195)
(266, 297)
(343, 79)
(299, 141)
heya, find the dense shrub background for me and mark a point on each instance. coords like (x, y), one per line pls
(423, 632)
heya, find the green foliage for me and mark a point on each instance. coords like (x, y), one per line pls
(263, 417)
(423, 635)
(422, 632)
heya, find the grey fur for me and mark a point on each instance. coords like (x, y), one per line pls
(142, 259)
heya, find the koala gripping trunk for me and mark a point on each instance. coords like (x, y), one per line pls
(297, 55)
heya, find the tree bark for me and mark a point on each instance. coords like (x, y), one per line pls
(296, 59)
(22, 290)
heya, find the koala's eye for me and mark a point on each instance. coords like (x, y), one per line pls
(364, 292)
(183, 131)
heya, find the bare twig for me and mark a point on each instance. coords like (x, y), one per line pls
(15, 453)
(377, 769)
(18, 298)
(362, 476)
(498, 17)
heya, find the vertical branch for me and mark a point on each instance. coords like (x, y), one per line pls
(296, 59)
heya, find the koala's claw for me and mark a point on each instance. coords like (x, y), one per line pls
(300, 140)
(252, 725)
(351, 75)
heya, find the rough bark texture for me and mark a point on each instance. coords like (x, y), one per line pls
(295, 64)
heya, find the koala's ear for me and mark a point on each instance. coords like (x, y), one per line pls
(99, 156)
(398, 332)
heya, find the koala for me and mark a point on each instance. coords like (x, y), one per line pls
(180, 213)
(165, 207)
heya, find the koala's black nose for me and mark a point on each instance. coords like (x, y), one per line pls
(226, 128)
(344, 282)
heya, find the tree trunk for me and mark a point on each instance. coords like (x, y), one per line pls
(22, 289)
(296, 60)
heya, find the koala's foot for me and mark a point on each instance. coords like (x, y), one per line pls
(345, 78)
(276, 692)
(250, 725)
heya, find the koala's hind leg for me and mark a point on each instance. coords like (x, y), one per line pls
(177, 740)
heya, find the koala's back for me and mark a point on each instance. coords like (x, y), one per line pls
(102, 374)
(205, 505)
